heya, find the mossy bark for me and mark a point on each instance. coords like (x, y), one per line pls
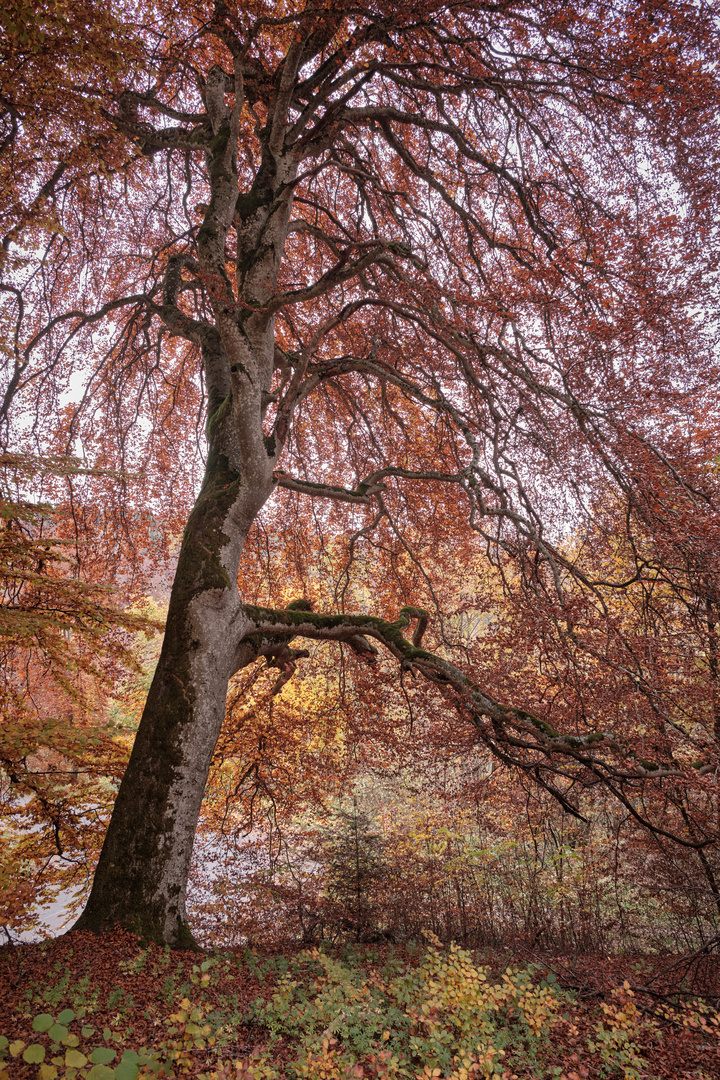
(140, 881)
(141, 876)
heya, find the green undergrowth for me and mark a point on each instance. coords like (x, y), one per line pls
(445, 1017)
(439, 1014)
(67, 1047)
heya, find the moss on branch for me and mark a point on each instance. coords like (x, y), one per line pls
(273, 623)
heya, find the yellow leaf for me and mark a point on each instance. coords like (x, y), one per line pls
(75, 1059)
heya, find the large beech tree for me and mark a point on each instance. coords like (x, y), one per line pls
(438, 265)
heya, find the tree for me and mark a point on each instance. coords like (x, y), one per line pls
(422, 265)
(62, 643)
(51, 143)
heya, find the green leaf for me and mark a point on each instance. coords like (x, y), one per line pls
(42, 1022)
(34, 1054)
(87, 1031)
(58, 1032)
(101, 1072)
(102, 1055)
(130, 1056)
(3, 1042)
(66, 1016)
(127, 1070)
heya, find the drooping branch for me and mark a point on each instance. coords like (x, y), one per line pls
(517, 737)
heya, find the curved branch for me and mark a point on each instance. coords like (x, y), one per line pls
(515, 736)
(381, 251)
(326, 491)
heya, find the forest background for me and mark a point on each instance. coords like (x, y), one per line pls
(429, 298)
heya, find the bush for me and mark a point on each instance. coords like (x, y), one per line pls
(446, 1015)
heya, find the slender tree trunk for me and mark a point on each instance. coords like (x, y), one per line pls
(140, 881)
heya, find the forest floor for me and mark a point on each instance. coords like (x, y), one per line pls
(85, 1006)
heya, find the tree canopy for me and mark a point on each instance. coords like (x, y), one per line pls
(427, 294)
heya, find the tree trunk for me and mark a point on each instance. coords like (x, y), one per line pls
(141, 877)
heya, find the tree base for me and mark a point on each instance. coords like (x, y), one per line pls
(145, 929)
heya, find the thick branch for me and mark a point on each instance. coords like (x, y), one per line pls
(361, 494)
(513, 735)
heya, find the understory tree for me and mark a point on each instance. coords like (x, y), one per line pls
(437, 278)
(63, 647)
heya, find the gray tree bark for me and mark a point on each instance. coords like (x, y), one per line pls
(140, 880)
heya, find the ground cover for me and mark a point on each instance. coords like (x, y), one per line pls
(83, 1007)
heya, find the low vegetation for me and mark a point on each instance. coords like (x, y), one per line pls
(83, 1008)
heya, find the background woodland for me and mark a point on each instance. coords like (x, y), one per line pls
(435, 289)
